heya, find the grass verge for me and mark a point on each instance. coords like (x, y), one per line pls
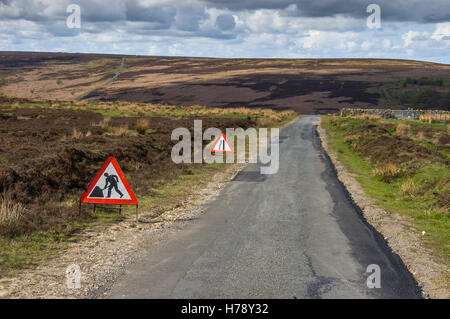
(402, 174)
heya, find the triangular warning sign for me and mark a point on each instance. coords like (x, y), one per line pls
(109, 186)
(222, 145)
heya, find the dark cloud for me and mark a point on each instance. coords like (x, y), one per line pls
(99, 11)
(22, 9)
(179, 19)
(188, 18)
(392, 10)
(161, 17)
(225, 22)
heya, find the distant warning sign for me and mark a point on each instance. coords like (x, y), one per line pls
(222, 145)
(109, 186)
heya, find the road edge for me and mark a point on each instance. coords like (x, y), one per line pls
(406, 244)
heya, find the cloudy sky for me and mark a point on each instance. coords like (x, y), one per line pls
(410, 29)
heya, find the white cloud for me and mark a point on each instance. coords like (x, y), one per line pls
(155, 50)
(329, 40)
(266, 21)
(411, 36)
(387, 44)
(157, 27)
(267, 40)
(366, 45)
(351, 45)
(439, 40)
(442, 31)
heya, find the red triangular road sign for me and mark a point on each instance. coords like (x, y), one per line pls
(222, 145)
(109, 186)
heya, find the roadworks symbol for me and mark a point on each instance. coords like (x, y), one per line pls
(109, 186)
(222, 145)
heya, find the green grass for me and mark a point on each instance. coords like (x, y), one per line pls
(181, 112)
(417, 126)
(430, 177)
(26, 252)
(118, 113)
(168, 195)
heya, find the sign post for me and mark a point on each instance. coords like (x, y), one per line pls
(110, 186)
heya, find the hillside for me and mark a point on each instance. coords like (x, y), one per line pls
(304, 85)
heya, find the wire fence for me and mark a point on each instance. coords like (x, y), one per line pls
(413, 115)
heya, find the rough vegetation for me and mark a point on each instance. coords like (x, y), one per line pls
(50, 151)
(426, 92)
(405, 165)
(309, 86)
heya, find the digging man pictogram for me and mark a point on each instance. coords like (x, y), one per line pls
(111, 182)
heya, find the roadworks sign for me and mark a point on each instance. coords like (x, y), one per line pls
(109, 186)
(222, 145)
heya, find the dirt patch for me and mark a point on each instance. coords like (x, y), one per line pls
(396, 229)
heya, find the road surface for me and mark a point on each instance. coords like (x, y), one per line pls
(122, 64)
(294, 234)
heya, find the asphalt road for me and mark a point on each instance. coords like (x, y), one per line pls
(294, 234)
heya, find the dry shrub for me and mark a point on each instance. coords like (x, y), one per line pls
(334, 119)
(135, 108)
(421, 136)
(409, 188)
(427, 118)
(443, 202)
(434, 117)
(370, 117)
(263, 121)
(357, 147)
(105, 123)
(353, 141)
(118, 130)
(11, 214)
(26, 220)
(350, 138)
(142, 126)
(387, 172)
(402, 129)
(260, 115)
(448, 128)
(76, 134)
(446, 117)
(374, 117)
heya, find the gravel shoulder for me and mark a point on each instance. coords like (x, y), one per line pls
(419, 260)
